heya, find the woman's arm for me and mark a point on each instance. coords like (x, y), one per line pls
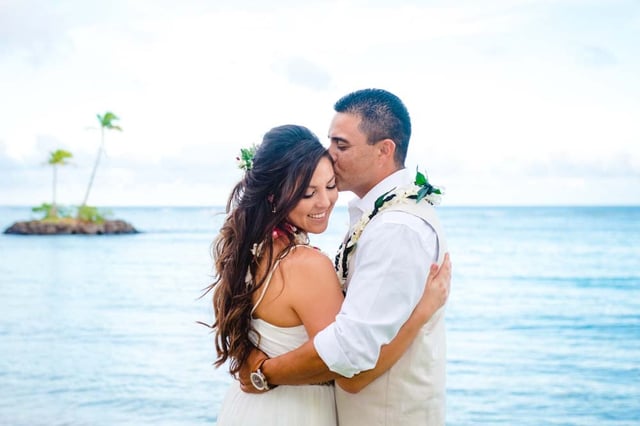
(434, 296)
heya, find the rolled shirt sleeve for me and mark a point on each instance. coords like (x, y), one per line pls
(390, 267)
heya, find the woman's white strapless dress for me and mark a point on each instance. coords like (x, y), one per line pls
(308, 405)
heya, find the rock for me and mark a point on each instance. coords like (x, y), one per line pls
(70, 226)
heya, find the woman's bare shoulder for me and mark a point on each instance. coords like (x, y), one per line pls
(304, 253)
(307, 260)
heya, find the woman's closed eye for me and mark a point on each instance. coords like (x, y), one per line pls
(329, 187)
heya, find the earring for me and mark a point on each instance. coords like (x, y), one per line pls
(273, 204)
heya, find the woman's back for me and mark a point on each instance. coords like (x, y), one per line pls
(301, 271)
(281, 320)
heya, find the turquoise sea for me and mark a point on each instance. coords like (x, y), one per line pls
(543, 319)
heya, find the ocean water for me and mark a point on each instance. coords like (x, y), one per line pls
(543, 319)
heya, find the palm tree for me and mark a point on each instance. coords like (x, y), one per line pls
(106, 122)
(57, 158)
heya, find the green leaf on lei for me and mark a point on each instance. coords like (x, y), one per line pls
(426, 187)
(423, 192)
(381, 200)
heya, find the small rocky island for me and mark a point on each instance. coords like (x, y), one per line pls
(83, 219)
(67, 226)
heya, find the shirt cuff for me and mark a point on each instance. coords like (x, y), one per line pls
(331, 353)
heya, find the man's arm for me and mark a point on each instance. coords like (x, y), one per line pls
(389, 270)
(281, 370)
(299, 367)
(384, 290)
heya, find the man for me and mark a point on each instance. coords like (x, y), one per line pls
(384, 277)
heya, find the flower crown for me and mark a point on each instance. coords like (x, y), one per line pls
(245, 160)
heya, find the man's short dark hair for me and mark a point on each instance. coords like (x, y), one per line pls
(383, 116)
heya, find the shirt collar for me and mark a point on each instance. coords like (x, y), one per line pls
(358, 206)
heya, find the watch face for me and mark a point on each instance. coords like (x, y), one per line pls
(258, 381)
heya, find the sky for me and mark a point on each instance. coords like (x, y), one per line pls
(513, 102)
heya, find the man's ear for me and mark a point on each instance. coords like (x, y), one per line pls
(387, 148)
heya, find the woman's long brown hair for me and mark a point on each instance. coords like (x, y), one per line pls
(282, 169)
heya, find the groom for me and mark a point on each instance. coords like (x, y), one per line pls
(384, 275)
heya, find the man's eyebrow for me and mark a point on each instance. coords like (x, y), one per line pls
(338, 139)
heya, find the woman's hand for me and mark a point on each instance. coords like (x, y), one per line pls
(434, 296)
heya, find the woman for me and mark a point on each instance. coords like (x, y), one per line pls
(276, 292)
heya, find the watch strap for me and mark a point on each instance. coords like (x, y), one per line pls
(258, 365)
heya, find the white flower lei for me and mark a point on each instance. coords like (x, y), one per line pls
(420, 190)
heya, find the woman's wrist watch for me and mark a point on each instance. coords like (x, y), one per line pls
(258, 379)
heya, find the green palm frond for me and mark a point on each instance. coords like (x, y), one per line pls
(59, 157)
(107, 121)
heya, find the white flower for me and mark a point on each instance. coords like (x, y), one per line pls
(256, 250)
(248, 278)
(434, 199)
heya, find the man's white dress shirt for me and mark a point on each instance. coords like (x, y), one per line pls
(386, 280)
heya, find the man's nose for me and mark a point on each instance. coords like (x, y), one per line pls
(333, 152)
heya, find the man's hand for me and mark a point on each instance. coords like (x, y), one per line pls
(244, 374)
(437, 289)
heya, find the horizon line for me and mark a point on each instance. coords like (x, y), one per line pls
(337, 205)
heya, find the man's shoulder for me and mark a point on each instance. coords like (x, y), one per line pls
(400, 223)
(394, 226)
(410, 213)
